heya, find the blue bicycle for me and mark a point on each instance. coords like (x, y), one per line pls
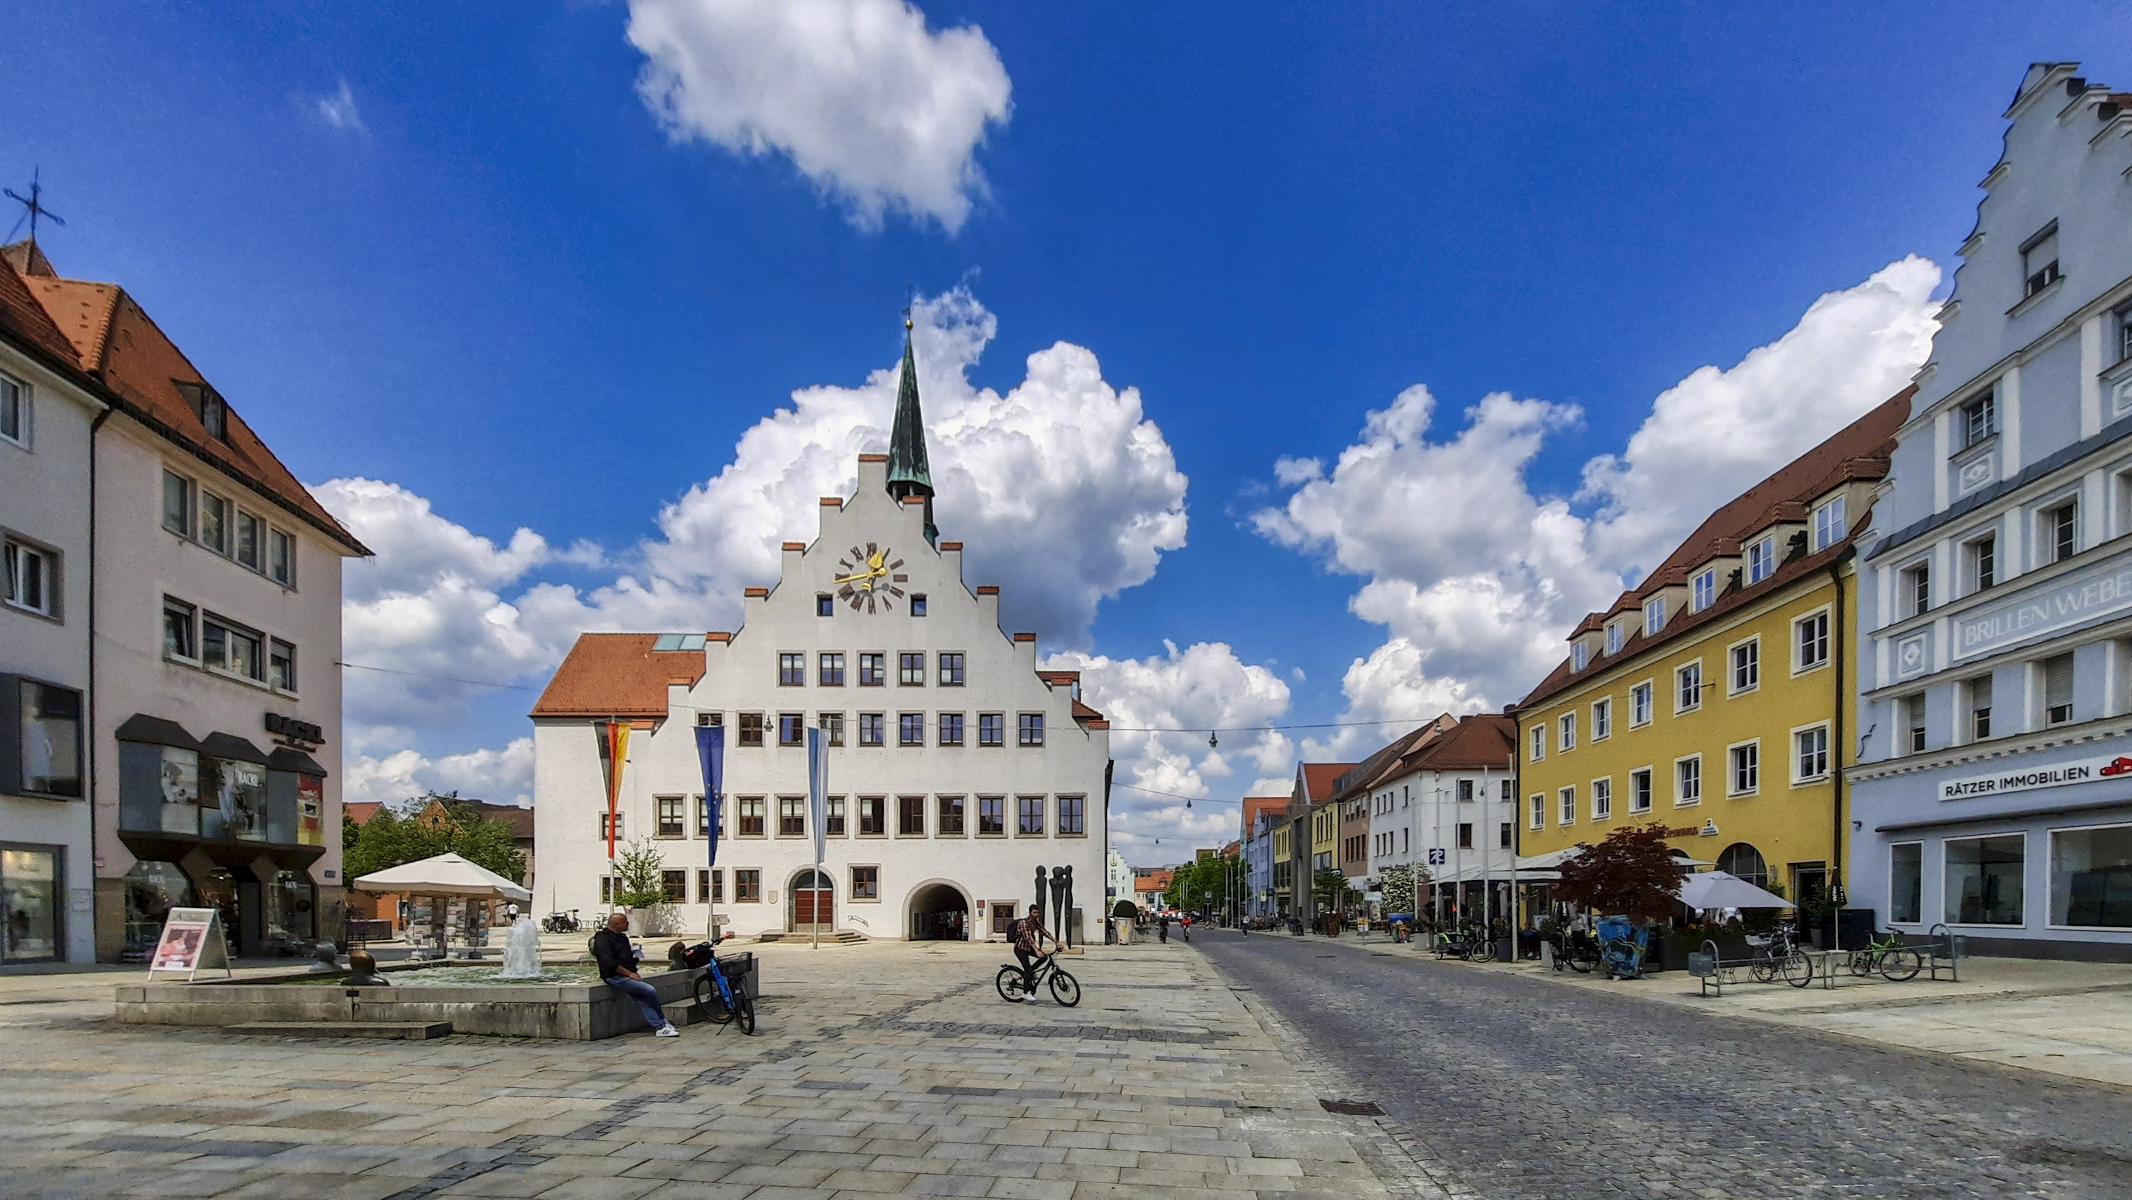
(717, 997)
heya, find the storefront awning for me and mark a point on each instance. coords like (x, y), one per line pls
(229, 745)
(155, 731)
(285, 759)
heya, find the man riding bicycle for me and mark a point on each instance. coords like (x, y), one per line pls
(1029, 938)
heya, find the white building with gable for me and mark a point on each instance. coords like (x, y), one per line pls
(957, 768)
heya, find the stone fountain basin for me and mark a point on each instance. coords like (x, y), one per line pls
(569, 1011)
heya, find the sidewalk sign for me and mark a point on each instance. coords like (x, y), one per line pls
(192, 939)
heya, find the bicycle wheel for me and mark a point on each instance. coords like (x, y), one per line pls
(709, 1002)
(1065, 989)
(1901, 964)
(1764, 968)
(1863, 961)
(1582, 964)
(747, 1014)
(1009, 983)
(1481, 951)
(1798, 969)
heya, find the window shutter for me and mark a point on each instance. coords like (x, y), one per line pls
(2058, 680)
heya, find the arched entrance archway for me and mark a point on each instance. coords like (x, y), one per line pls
(812, 903)
(939, 913)
(1746, 862)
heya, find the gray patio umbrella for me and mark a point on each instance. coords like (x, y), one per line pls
(1722, 889)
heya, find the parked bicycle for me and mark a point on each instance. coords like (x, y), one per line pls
(1896, 962)
(1779, 955)
(1576, 950)
(1468, 942)
(719, 999)
(560, 922)
(1014, 988)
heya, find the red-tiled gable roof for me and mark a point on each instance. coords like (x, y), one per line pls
(519, 819)
(360, 811)
(1059, 677)
(121, 347)
(1318, 779)
(1254, 805)
(1481, 741)
(1154, 881)
(1385, 763)
(1232, 849)
(617, 675)
(1858, 452)
(26, 321)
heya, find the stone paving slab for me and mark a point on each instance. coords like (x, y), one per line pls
(881, 1069)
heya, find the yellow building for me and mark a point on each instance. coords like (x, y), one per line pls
(1716, 697)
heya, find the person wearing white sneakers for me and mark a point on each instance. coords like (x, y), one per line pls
(617, 961)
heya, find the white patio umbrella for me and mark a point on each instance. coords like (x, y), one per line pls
(443, 875)
(1722, 889)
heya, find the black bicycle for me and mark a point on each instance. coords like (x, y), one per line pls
(718, 998)
(1779, 954)
(1013, 988)
(560, 922)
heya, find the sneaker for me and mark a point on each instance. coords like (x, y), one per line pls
(666, 1031)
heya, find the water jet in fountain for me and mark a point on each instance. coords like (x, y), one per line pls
(521, 952)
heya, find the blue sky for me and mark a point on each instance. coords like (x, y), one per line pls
(499, 284)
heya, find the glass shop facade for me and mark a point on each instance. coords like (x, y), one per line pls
(44, 818)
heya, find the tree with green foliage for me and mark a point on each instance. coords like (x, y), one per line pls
(1632, 873)
(640, 885)
(1206, 885)
(424, 827)
(1334, 890)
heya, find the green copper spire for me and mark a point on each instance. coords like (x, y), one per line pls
(909, 474)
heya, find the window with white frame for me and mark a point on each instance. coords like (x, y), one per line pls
(1654, 616)
(1810, 641)
(1761, 560)
(1910, 720)
(180, 630)
(2039, 261)
(227, 646)
(281, 558)
(1579, 655)
(1745, 774)
(1829, 524)
(1613, 637)
(1688, 781)
(2124, 333)
(1980, 563)
(1538, 738)
(177, 504)
(1566, 732)
(1703, 590)
(2058, 531)
(1688, 687)
(1746, 669)
(32, 577)
(1914, 588)
(1602, 717)
(1539, 810)
(2058, 689)
(1977, 695)
(1978, 420)
(2091, 877)
(1984, 879)
(1810, 754)
(14, 410)
(1568, 812)
(1602, 799)
(281, 665)
(1640, 790)
(1640, 704)
(215, 522)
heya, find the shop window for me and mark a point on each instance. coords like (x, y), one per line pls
(1746, 862)
(152, 890)
(41, 739)
(291, 918)
(1984, 879)
(29, 904)
(1906, 883)
(2091, 877)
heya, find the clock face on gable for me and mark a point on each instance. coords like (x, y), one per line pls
(867, 579)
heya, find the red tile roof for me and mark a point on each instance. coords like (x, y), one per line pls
(1318, 779)
(1479, 742)
(617, 675)
(360, 811)
(1254, 805)
(24, 320)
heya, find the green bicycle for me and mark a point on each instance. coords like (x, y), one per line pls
(1896, 962)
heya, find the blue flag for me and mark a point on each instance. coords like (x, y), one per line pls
(710, 749)
(817, 784)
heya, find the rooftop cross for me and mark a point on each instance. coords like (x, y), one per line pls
(33, 207)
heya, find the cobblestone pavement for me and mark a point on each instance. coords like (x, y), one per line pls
(1513, 1087)
(879, 1070)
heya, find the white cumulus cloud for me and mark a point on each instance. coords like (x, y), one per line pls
(1477, 578)
(502, 776)
(874, 108)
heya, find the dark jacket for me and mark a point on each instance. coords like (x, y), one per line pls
(613, 953)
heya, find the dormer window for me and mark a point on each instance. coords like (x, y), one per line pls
(1580, 654)
(1654, 615)
(1980, 419)
(1703, 590)
(1761, 560)
(207, 405)
(1613, 638)
(2039, 260)
(1829, 525)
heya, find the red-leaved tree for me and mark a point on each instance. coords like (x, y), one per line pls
(1630, 873)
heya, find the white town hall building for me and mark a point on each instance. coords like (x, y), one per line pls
(957, 768)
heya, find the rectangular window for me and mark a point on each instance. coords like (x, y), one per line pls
(910, 669)
(1566, 732)
(1978, 693)
(1810, 636)
(177, 504)
(1688, 781)
(1703, 590)
(710, 887)
(1509, 791)
(1539, 742)
(910, 729)
(179, 630)
(832, 727)
(1032, 729)
(1465, 791)
(1914, 584)
(620, 823)
(1911, 712)
(32, 578)
(791, 729)
(1640, 705)
(1654, 616)
(951, 668)
(873, 816)
(747, 885)
(1602, 718)
(2124, 334)
(214, 522)
(918, 604)
(1979, 420)
(1810, 753)
(48, 742)
(1688, 688)
(1032, 816)
(866, 883)
(991, 816)
(1568, 813)
(1980, 562)
(1602, 799)
(1640, 791)
(873, 729)
(791, 670)
(1072, 822)
(833, 816)
(792, 816)
(251, 539)
(1761, 560)
(831, 671)
(14, 410)
(752, 816)
(703, 818)
(1747, 666)
(1829, 524)
(1465, 835)
(281, 558)
(1906, 883)
(1579, 655)
(2091, 877)
(2039, 261)
(675, 885)
(1504, 836)
(1746, 768)
(232, 648)
(950, 816)
(1984, 879)
(281, 665)
(2061, 531)
(991, 729)
(873, 669)
(2058, 689)
(751, 729)
(825, 605)
(910, 816)
(950, 729)
(1614, 637)
(1539, 810)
